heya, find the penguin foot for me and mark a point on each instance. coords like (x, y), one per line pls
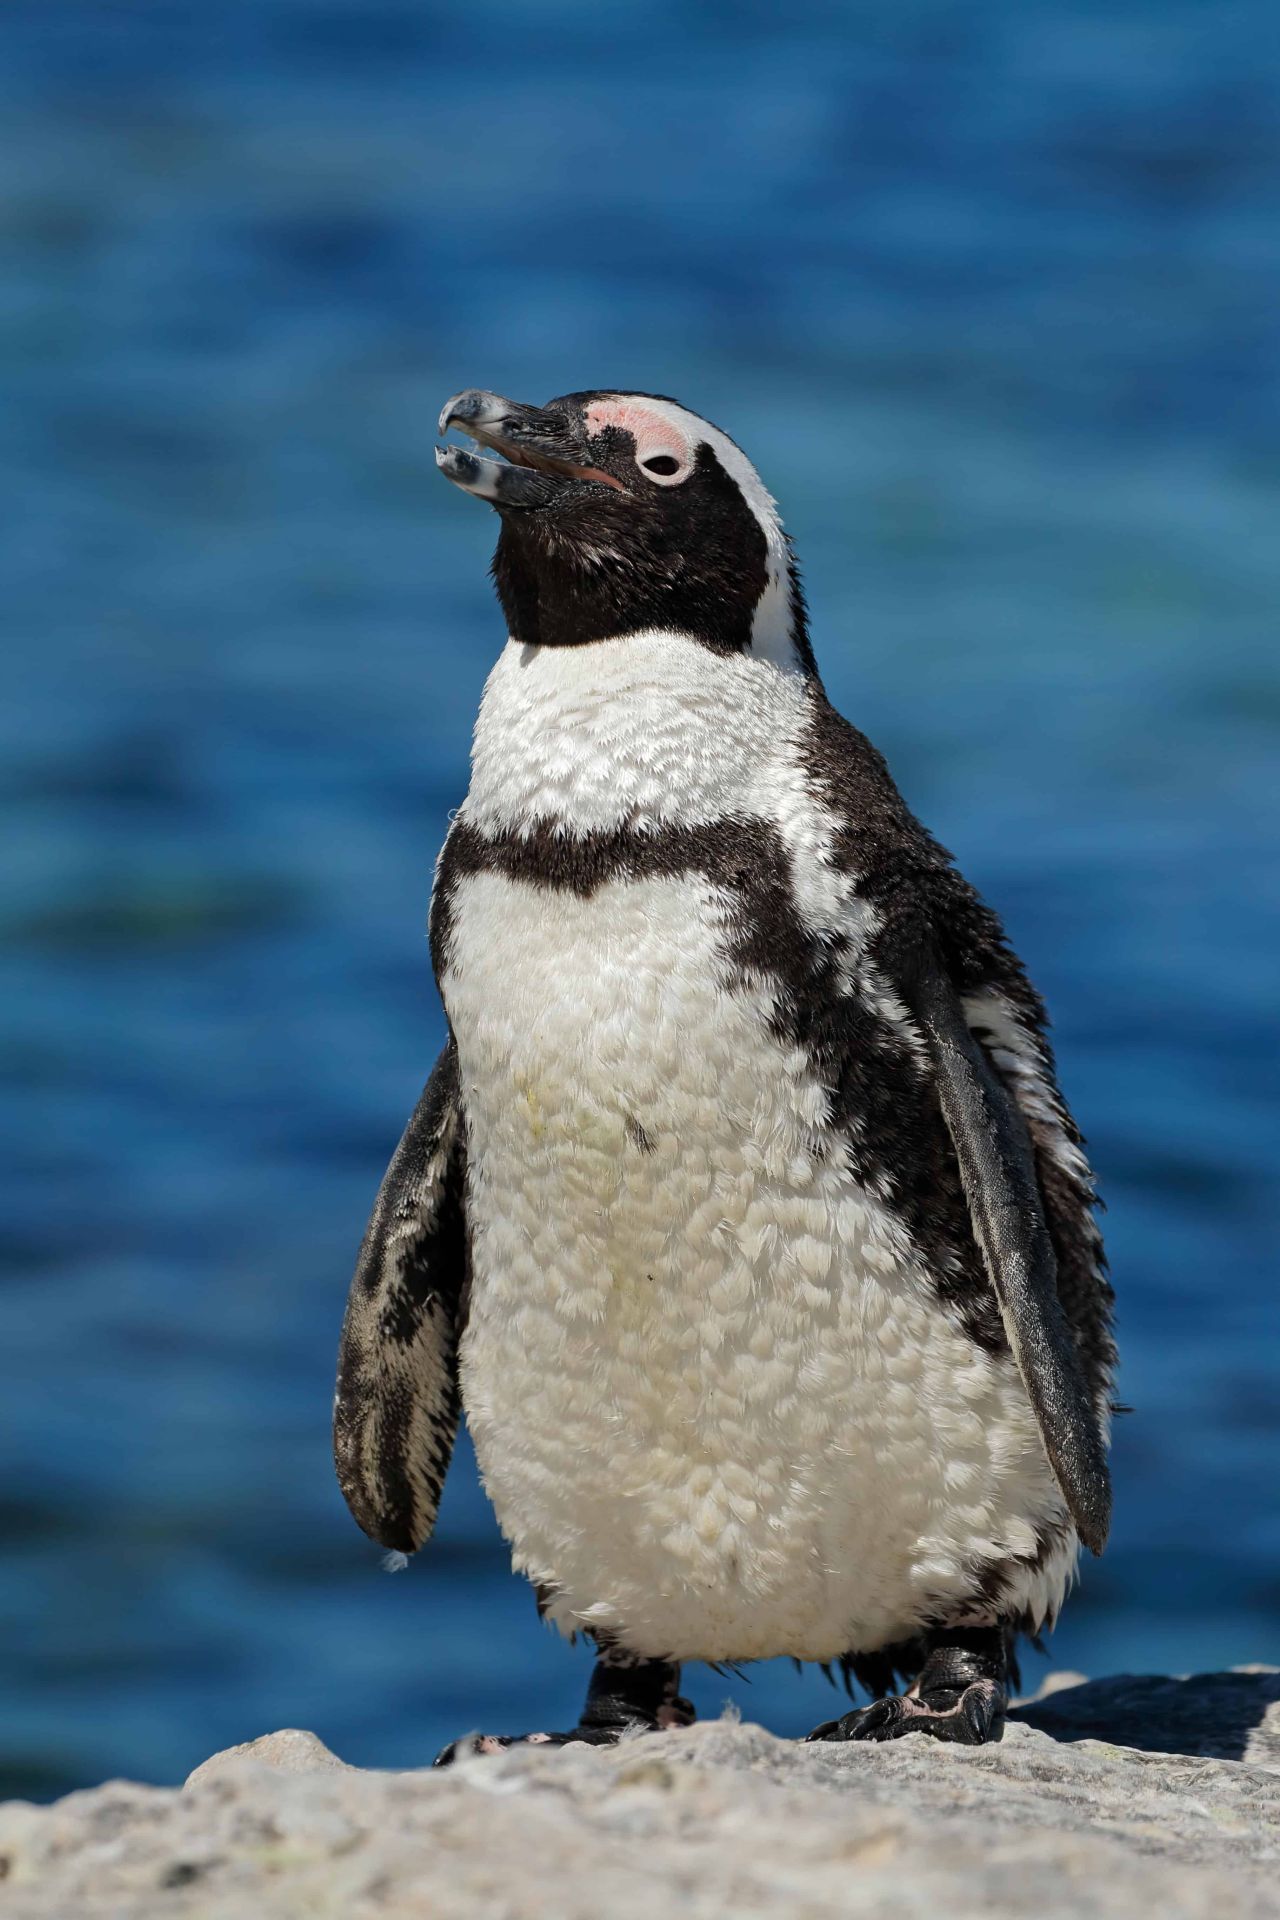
(679, 1713)
(627, 1695)
(971, 1718)
(960, 1694)
(499, 1742)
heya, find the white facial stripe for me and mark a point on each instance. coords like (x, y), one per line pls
(692, 430)
(771, 637)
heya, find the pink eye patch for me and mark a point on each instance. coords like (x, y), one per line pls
(655, 436)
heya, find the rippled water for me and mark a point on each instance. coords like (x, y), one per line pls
(989, 294)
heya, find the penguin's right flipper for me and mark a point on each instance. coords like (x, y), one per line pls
(396, 1410)
(997, 1171)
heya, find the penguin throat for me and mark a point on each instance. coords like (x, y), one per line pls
(561, 592)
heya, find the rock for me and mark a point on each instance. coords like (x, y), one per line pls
(1055, 1682)
(1105, 1800)
(291, 1751)
(1221, 1716)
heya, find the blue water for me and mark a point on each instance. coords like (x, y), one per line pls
(990, 294)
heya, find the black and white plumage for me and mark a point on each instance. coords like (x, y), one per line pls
(742, 1214)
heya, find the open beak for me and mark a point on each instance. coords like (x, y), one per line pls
(542, 451)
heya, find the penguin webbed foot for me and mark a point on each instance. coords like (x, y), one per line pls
(627, 1696)
(971, 1720)
(960, 1695)
(473, 1743)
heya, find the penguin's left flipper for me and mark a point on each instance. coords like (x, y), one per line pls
(961, 1695)
(396, 1412)
(997, 1171)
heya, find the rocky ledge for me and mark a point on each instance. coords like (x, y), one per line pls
(1127, 1797)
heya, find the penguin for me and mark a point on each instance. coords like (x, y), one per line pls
(742, 1213)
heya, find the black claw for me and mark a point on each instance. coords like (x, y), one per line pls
(974, 1716)
(882, 1721)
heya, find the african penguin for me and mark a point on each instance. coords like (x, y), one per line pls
(742, 1212)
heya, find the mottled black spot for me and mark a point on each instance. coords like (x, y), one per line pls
(183, 1873)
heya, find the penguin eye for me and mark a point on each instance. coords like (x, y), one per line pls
(665, 468)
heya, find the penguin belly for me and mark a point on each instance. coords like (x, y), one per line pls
(715, 1402)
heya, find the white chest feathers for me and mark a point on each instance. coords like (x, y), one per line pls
(714, 1401)
(649, 729)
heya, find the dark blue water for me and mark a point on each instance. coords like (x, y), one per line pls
(990, 295)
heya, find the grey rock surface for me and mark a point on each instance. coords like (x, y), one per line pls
(290, 1751)
(1125, 1797)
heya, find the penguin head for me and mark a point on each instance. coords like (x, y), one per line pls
(626, 513)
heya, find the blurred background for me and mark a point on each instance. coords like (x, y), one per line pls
(989, 293)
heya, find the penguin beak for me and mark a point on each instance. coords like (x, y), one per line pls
(543, 452)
